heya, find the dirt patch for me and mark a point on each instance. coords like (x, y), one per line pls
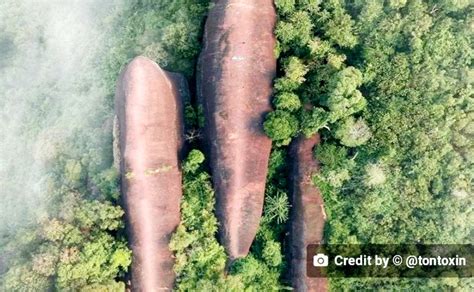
(150, 130)
(307, 217)
(235, 73)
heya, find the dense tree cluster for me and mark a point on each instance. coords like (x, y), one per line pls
(79, 243)
(167, 32)
(414, 175)
(387, 85)
(200, 259)
(316, 88)
(412, 181)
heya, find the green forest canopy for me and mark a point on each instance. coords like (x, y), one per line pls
(80, 243)
(388, 85)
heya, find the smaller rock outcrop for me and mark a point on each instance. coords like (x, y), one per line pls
(307, 218)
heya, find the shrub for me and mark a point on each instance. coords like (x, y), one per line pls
(281, 126)
(353, 132)
(287, 101)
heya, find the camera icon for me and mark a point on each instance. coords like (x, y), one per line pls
(320, 260)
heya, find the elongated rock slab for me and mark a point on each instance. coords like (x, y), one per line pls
(235, 73)
(150, 130)
(307, 217)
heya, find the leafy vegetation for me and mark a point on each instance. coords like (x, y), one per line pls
(386, 85)
(78, 246)
(78, 243)
(165, 31)
(201, 262)
(316, 88)
(410, 173)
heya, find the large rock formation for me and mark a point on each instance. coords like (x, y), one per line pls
(150, 129)
(307, 217)
(235, 73)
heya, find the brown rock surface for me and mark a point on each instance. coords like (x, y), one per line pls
(150, 129)
(307, 217)
(235, 73)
